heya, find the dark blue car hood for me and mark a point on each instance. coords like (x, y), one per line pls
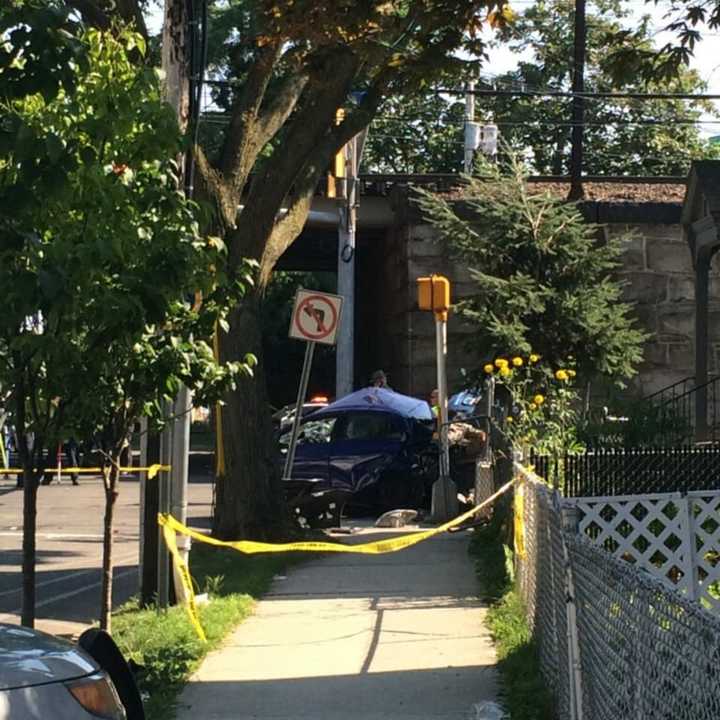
(354, 473)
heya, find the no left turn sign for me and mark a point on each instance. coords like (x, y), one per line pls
(315, 316)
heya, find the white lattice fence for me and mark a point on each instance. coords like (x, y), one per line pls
(674, 537)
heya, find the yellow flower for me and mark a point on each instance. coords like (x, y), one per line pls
(509, 419)
(571, 373)
(505, 371)
(532, 406)
(501, 363)
(538, 400)
(534, 358)
(517, 361)
(561, 375)
(489, 368)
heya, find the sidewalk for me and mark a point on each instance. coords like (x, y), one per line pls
(357, 637)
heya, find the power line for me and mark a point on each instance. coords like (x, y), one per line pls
(591, 95)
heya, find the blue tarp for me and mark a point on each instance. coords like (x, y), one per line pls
(373, 398)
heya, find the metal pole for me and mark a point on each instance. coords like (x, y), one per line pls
(444, 492)
(441, 348)
(345, 353)
(578, 102)
(166, 453)
(470, 139)
(179, 472)
(142, 481)
(302, 391)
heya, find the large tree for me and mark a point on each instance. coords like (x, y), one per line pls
(290, 67)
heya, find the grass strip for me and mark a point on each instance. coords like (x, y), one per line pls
(523, 692)
(165, 644)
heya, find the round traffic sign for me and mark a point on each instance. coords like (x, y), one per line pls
(316, 317)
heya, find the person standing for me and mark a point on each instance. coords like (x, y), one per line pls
(72, 453)
(379, 380)
(434, 403)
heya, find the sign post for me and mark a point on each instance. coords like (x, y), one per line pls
(315, 319)
(434, 294)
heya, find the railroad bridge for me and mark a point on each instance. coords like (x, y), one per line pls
(671, 221)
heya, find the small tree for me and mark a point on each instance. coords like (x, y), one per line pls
(102, 324)
(544, 278)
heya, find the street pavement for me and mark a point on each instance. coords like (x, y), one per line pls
(359, 637)
(69, 542)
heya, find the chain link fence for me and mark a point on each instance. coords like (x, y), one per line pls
(614, 642)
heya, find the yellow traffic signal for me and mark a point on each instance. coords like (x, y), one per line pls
(337, 174)
(434, 294)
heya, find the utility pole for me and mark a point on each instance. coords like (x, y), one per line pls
(578, 103)
(472, 129)
(174, 444)
(346, 191)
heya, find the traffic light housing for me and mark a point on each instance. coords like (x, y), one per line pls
(434, 294)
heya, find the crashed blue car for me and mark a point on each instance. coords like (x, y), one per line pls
(370, 451)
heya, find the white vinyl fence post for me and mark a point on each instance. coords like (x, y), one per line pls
(687, 547)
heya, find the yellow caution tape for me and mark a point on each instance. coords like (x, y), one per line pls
(170, 526)
(184, 572)
(151, 470)
(519, 528)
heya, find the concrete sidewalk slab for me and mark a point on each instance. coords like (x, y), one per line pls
(357, 637)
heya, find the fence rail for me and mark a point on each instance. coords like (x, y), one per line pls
(614, 641)
(632, 471)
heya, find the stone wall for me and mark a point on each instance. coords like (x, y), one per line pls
(426, 256)
(660, 281)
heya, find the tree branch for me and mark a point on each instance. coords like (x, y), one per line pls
(326, 91)
(272, 118)
(245, 112)
(211, 185)
(100, 14)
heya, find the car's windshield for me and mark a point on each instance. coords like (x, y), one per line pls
(312, 432)
(369, 426)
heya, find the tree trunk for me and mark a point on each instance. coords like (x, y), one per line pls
(249, 500)
(110, 479)
(30, 488)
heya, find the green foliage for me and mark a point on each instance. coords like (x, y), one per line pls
(164, 642)
(688, 21)
(420, 133)
(100, 248)
(543, 279)
(543, 414)
(622, 136)
(38, 53)
(523, 690)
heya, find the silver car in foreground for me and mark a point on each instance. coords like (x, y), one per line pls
(45, 678)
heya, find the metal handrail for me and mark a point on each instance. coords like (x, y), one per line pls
(662, 391)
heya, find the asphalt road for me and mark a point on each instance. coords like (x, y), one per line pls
(69, 542)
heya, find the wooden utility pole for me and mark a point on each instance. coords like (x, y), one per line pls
(578, 103)
(173, 446)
